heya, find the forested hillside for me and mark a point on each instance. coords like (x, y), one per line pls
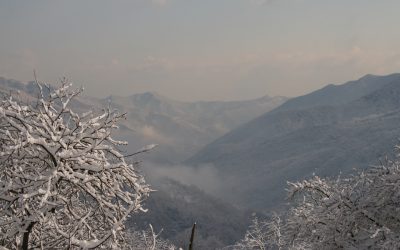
(319, 135)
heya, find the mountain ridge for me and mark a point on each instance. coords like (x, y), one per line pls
(260, 156)
(180, 128)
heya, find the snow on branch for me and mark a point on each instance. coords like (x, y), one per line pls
(147, 240)
(63, 181)
(357, 212)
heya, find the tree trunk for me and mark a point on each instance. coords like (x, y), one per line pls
(192, 237)
(25, 239)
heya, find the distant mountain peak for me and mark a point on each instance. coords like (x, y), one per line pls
(148, 97)
(368, 77)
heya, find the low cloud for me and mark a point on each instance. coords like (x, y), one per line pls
(204, 177)
(151, 134)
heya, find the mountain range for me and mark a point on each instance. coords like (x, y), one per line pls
(182, 128)
(328, 132)
(179, 128)
(252, 147)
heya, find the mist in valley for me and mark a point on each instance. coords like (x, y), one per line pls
(270, 118)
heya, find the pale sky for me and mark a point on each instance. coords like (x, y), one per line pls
(199, 49)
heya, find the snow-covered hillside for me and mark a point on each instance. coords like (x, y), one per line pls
(323, 136)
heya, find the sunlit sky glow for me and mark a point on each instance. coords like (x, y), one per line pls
(199, 49)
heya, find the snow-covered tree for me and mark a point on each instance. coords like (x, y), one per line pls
(147, 240)
(358, 212)
(64, 183)
(262, 235)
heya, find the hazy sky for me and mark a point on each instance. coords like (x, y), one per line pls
(199, 49)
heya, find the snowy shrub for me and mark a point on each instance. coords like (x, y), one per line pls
(63, 181)
(147, 240)
(262, 235)
(358, 212)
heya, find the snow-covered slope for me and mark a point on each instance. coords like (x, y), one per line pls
(175, 207)
(292, 143)
(182, 128)
(339, 94)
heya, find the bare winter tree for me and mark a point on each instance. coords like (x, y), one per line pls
(262, 235)
(63, 181)
(359, 212)
(147, 240)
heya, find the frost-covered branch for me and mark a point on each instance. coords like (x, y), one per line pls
(358, 212)
(147, 240)
(63, 181)
(262, 235)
